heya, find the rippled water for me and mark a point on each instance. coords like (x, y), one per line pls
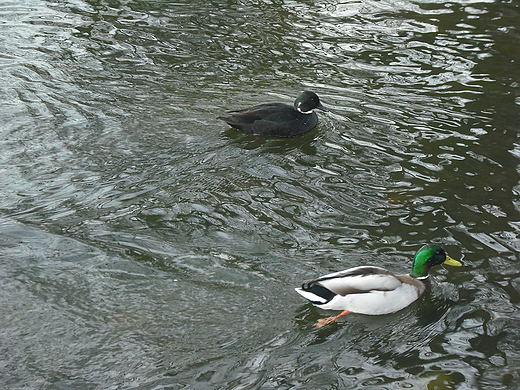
(146, 245)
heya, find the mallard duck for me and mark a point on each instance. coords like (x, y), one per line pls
(374, 290)
(278, 119)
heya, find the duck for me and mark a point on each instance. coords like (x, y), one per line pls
(373, 290)
(278, 119)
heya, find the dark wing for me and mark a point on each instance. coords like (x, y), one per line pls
(275, 112)
(266, 119)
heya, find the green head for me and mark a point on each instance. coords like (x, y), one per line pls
(428, 256)
(308, 101)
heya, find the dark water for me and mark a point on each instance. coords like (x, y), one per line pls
(145, 245)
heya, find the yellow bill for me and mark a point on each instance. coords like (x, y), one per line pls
(452, 262)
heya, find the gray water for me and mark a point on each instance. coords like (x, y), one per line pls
(145, 245)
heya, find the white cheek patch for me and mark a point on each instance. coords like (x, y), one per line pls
(303, 112)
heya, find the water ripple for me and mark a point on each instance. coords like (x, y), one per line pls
(145, 243)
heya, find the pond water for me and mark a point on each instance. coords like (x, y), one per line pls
(144, 244)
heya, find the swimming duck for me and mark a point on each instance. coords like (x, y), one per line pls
(374, 290)
(278, 119)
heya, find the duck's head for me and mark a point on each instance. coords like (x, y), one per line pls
(308, 101)
(429, 256)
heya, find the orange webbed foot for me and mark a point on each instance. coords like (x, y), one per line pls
(325, 321)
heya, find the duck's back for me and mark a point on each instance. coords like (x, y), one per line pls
(273, 119)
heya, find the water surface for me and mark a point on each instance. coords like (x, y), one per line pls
(146, 245)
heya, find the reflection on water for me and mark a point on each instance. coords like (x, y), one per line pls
(146, 245)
